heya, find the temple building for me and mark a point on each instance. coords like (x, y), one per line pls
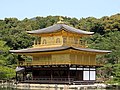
(59, 55)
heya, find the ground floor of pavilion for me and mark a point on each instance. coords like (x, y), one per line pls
(59, 74)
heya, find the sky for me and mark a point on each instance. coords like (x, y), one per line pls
(22, 9)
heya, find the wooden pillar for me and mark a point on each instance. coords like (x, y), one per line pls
(69, 74)
(32, 72)
(51, 76)
(76, 76)
(89, 73)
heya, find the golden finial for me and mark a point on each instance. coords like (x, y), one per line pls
(60, 20)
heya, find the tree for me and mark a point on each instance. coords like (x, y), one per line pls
(5, 71)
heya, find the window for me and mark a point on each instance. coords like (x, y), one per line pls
(92, 75)
(44, 41)
(64, 40)
(58, 40)
(35, 42)
(75, 40)
(86, 75)
(81, 42)
(39, 40)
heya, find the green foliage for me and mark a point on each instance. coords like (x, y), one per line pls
(6, 72)
(4, 52)
(116, 70)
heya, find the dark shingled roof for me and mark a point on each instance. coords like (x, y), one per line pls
(35, 50)
(58, 27)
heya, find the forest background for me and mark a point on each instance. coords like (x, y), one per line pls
(107, 36)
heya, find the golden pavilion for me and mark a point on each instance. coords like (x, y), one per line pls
(59, 55)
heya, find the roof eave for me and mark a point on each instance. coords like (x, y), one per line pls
(59, 49)
(58, 27)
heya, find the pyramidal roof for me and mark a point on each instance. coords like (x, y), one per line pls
(58, 27)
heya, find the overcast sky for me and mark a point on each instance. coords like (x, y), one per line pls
(71, 8)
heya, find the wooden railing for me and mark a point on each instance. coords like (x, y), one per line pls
(49, 79)
(54, 79)
(46, 63)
